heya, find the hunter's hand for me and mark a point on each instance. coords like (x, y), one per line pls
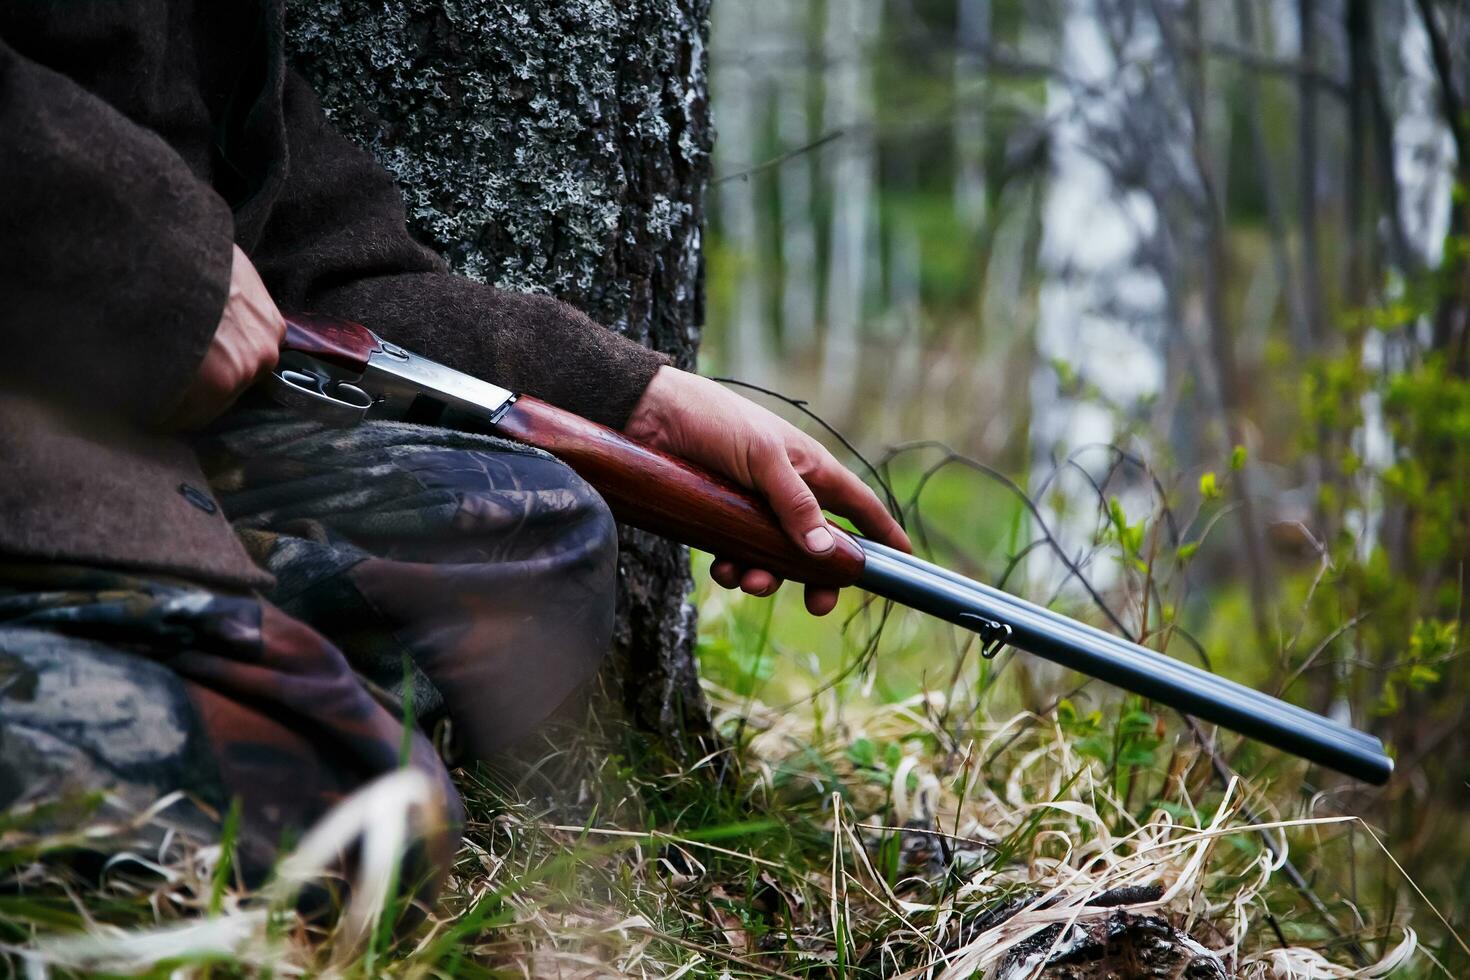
(246, 344)
(701, 421)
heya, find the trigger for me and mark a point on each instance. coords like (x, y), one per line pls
(318, 397)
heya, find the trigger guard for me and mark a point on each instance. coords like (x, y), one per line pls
(322, 398)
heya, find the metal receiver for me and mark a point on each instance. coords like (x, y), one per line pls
(394, 384)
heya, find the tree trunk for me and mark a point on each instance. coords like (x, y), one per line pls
(794, 129)
(972, 45)
(848, 106)
(741, 85)
(558, 146)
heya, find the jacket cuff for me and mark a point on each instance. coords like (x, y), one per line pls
(626, 368)
(570, 360)
(194, 316)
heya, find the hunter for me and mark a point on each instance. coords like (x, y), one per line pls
(199, 592)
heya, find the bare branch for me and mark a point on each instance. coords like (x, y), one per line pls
(1247, 57)
(780, 158)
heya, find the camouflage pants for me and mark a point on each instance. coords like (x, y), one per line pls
(457, 579)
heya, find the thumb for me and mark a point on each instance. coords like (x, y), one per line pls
(795, 506)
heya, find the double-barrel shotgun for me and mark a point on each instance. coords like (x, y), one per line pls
(341, 373)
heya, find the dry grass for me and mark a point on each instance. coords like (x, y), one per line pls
(929, 856)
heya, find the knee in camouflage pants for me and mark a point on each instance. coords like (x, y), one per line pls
(469, 576)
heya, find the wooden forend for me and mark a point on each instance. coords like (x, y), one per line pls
(669, 497)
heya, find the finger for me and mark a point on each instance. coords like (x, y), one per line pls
(726, 573)
(819, 602)
(759, 582)
(794, 503)
(839, 489)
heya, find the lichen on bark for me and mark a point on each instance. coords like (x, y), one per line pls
(559, 146)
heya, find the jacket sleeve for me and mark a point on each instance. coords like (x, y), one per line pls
(114, 257)
(337, 243)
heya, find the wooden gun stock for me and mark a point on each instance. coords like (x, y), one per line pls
(667, 496)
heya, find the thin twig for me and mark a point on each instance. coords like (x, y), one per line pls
(776, 161)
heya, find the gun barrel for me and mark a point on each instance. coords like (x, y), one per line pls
(1040, 631)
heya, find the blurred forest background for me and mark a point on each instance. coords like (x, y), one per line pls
(1155, 310)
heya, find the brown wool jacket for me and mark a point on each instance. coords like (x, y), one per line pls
(138, 139)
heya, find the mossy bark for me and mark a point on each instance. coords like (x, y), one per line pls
(556, 146)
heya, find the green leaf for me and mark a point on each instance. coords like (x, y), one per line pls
(862, 752)
(1136, 722)
(1137, 755)
(1116, 513)
(892, 755)
(1422, 675)
(1237, 458)
(1209, 485)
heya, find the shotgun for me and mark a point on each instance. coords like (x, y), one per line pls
(341, 373)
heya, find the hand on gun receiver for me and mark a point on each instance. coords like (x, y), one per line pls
(701, 421)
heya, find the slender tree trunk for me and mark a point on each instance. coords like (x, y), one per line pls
(1358, 260)
(1401, 250)
(794, 184)
(1250, 85)
(849, 102)
(1311, 270)
(559, 147)
(1452, 322)
(739, 80)
(972, 40)
(902, 323)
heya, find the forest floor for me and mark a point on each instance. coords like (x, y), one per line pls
(853, 834)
